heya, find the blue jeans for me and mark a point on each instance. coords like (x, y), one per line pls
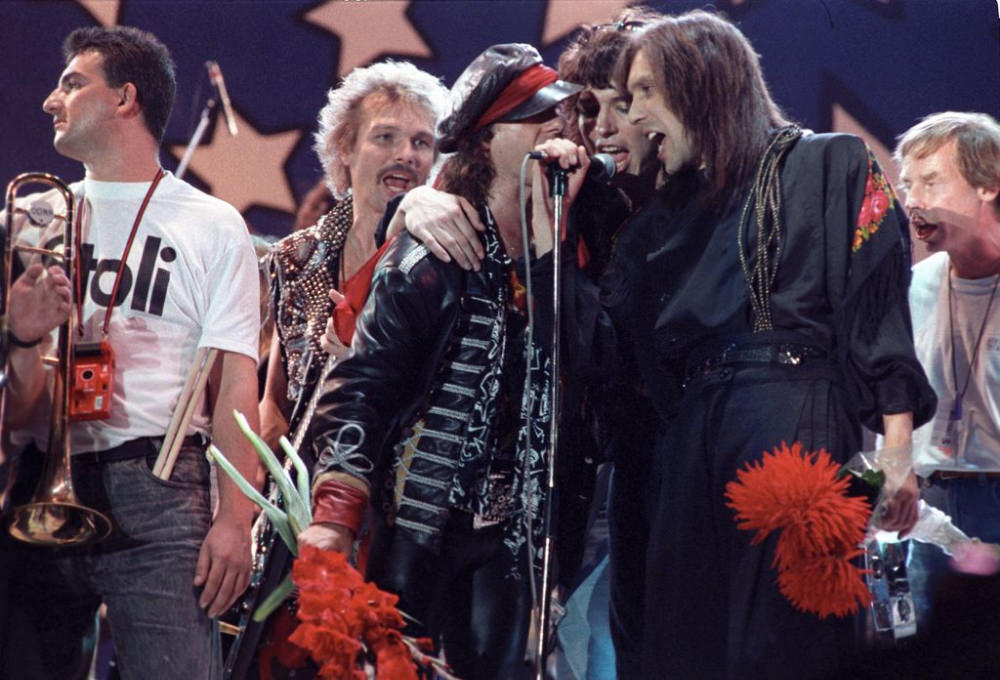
(585, 649)
(143, 572)
(974, 506)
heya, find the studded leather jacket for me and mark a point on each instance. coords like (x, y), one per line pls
(304, 267)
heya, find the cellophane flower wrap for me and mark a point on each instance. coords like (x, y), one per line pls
(802, 495)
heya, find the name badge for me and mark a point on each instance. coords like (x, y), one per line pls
(949, 433)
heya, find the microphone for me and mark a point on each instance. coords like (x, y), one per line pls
(602, 166)
(219, 83)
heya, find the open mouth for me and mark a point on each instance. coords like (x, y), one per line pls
(397, 181)
(657, 138)
(620, 155)
(924, 230)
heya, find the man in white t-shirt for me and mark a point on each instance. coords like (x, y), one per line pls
(951, 174)
(189, 281)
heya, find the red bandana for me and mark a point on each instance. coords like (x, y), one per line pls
(520, 90)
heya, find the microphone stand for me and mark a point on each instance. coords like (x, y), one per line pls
(557, 190)
(3, 313)
(199, 132)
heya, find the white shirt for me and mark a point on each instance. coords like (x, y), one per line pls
(981, 401)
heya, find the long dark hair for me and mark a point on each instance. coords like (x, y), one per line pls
(590, 59)
(469, 172)
(711, 79)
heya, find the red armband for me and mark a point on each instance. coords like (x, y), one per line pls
(339, 503)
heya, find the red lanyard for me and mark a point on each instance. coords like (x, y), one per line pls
(121, 266)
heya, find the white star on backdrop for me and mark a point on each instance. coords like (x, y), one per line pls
(563, 17)
(247, 169)
(105, 11)
(368, 30)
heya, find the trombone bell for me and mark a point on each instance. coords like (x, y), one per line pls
(57, 524)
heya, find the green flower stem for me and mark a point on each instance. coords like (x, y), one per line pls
(275, 599)
(278, 518)
(301, 473)
(296, 496)
(299, 513)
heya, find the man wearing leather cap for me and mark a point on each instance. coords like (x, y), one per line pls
(424, 414)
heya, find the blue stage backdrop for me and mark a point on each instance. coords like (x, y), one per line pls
(868, 66)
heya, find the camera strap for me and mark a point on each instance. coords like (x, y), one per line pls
(121, 266)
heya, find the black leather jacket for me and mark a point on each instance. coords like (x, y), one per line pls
(412, 409)
(399, 341)
(415, 408)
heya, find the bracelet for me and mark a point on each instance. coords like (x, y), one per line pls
(18, 342)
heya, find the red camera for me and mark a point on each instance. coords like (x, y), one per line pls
(93, 381)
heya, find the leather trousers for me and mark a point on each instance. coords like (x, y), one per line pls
(464, 597)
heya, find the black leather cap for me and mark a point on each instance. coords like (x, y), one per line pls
(482, 82)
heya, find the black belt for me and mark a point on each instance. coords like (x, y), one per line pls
(785, 353)
(134, 448)
(945, 475)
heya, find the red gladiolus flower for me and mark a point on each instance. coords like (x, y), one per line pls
(799, 494)
(341, 617)
(393, 659)
(277, 649)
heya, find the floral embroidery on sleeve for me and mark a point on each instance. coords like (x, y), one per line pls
(877, 201)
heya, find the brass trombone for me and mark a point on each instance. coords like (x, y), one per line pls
(54, 516)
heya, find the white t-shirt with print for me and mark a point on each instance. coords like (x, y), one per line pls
(190, 281)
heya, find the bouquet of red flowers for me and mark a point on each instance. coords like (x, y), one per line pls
(343, 619)
(345, 624)
(803, 495)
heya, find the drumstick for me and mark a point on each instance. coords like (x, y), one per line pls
(194, 386)
(168, 439)
(192, 398)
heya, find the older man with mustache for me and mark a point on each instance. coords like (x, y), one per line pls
(950, 166)
(375, 141)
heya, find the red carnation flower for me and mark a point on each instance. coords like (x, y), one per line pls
(827, 585)
(801, 495)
